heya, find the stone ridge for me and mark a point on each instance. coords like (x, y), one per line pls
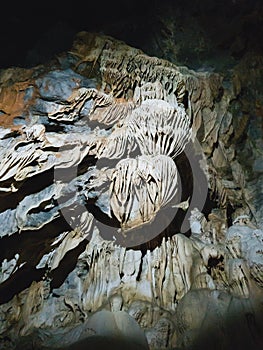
(99, 147)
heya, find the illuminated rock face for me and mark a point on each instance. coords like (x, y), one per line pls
(124, 198)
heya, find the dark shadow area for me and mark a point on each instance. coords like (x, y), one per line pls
(29, 243)
(87, 162)
(32, 34)
(66, 265)
(21, 280)
(242, 332)
(218, 320)
(10, 200)
(101, 217)
(95, 342)
(31, 246)
(229, 211)
(104, 342)
(204, 34)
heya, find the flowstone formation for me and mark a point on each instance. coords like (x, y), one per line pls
(128, 215)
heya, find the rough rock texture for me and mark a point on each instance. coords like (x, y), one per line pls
(131, 202)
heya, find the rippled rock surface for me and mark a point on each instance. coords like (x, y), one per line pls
(129, 215)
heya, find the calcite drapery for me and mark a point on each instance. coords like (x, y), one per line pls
(140, 187)
(69, 124)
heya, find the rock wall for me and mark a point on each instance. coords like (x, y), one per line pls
(130, 202)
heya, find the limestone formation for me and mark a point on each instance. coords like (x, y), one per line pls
(103, 161)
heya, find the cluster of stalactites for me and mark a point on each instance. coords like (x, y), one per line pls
(146, 136)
